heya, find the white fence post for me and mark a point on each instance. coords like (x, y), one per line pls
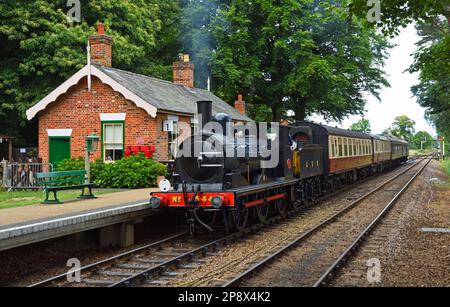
(5, 172)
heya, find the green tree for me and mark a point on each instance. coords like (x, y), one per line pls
(197, 39)
(402, 127)
(399, 13)
(432, 58)
(297, 55)
(422, 140)
(363, 125)
(432, 61)
(40, 48)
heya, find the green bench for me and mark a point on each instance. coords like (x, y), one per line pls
(59, 181)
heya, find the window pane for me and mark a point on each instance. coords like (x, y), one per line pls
(109, 155)
(109, 133)
(118, 134)
(118, 154)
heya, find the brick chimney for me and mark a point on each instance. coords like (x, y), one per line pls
(101, 47)
(239, 105)
(183, 71)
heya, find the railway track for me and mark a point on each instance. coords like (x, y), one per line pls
(108, 271)
(313, 247)
(157, 264)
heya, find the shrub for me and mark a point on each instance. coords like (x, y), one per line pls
(71, 165)
(132, 173)
(75, 164)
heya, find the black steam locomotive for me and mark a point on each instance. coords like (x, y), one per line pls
(225, 184)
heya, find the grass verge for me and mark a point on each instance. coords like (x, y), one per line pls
(446, 165)
(26, 198)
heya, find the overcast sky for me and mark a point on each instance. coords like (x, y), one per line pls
(398, 99)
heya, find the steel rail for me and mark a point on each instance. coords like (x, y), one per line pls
(308, 233)
(355, 244)
(110, 260)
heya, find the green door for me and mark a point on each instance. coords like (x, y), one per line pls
(59, 149)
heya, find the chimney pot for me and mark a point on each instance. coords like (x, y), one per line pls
(239, 105)
(101, 28)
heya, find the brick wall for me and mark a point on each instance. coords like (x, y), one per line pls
(183, 73)
(79, 110)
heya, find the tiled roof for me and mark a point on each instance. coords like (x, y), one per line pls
(168, 96)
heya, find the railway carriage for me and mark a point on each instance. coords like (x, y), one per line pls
(213, 190)
(381, 153)
(399, 150)
(343, 150)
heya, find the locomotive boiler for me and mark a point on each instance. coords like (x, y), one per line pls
(217, 161)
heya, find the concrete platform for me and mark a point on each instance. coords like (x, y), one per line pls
(30, 224)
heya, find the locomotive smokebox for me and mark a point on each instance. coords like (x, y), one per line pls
(204, 109)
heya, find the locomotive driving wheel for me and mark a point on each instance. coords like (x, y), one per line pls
(297, 205)
(240, 217)
(281, 206)
(263, 210)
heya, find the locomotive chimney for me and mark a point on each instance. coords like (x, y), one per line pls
(204, 109)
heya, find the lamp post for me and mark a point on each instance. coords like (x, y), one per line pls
(91, 146)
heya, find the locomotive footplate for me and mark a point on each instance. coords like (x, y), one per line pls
(194, 202)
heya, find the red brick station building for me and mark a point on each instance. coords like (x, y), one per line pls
(123, 108)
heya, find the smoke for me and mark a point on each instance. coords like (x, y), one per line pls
(198, 38)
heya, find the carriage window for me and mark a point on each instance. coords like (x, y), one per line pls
(350, 147)
(340, 147)
(333, 148)
(345, 148)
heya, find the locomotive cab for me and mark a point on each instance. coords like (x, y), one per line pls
(307, 156)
